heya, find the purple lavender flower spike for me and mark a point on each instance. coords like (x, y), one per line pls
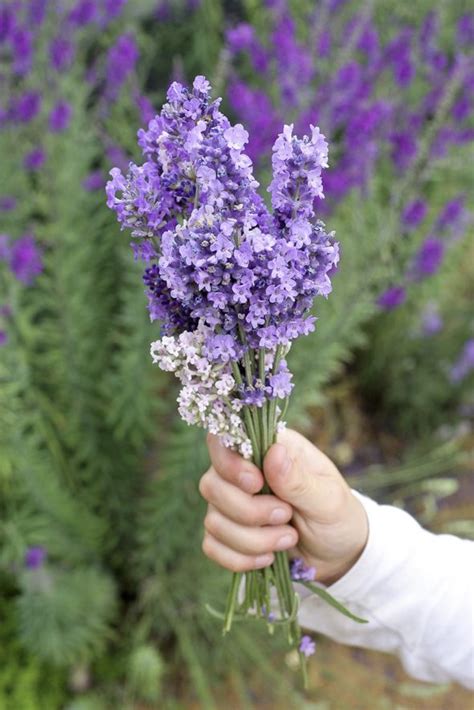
(3, 338)
(60, 117)
(121, 60)
(35, 557)
(34, 160)
(429, 257)
(94, 181)
(61, 53)
(392, 298)
(431, 320)
(7, 203)
(464, 364)
(26, 107)
(414, 213)
(307, 646)
(22, 48)
(25, 260)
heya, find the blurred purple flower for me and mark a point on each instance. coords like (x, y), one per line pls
(83, 13)
(94, 181)
(450, 213)
(7, 203)
(240, 37)
(26, 107)
(307, 646)
(369, 41)
(7, 21)
(465, 30)
(61, 53)
(117, 157)
(34, 160)
(392, 298)
(37, 11)
(60, 117)
(464, 364)
(113, 8)
(35, 557)
(121, 60)
(462, 108)
(431, 320)
(3, 338)
(404, 148)
(429, 257)
(324, 43)
(22, 48)
(144, 105)
(25, 260)
(414, 213)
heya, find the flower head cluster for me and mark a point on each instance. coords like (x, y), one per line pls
(208, 396)
(217, 254)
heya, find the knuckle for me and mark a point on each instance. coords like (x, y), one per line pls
(253, 515)
(211, 522)
(205, 484)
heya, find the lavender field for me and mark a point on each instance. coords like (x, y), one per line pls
(103, 584)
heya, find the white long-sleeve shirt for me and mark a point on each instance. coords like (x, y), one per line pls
(416, 590)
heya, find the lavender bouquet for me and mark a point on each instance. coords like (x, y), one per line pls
(232, 285)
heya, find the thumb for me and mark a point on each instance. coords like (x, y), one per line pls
(295, 484)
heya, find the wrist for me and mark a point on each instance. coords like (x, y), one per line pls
(355, 534)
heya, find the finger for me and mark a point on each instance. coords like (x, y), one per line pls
(248, 540)
(241, 507)
(232, 560)
(233, 467)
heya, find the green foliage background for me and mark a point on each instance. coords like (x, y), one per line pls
(96, 467)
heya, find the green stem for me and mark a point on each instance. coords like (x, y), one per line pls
(231, 601)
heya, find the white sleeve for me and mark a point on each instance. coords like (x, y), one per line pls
(416, 590)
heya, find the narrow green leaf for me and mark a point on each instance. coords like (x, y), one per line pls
(323, 594)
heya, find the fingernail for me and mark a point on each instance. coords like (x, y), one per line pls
(246, 481)
(279, 515)
(263, 561)
(285, 542)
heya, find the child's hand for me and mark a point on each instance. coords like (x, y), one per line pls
(328, 527)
